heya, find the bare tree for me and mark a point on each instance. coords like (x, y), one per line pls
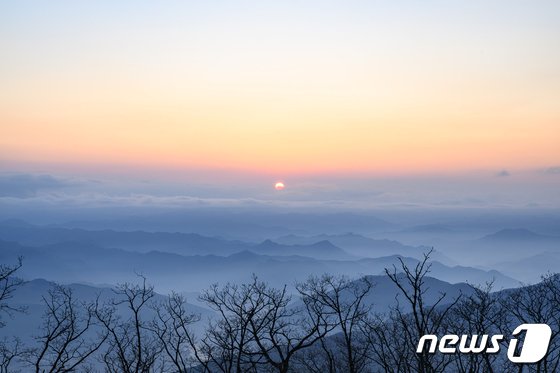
(282, 329)
(394, 338)
(9, 282)
(67, 336)
(131, 346)
(344, 301)
(551, 283)
(259, 326)
(539, 303)
(478, 314)
(172, 327)
(10, 350)
(228, 343)
(389, 348)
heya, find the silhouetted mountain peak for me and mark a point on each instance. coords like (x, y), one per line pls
(517, 234)
(269, 244)
(325, 244)
(321, 249)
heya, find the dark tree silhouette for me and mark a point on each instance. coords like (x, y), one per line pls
(9, 282)
(10, 349)
(228, 342)
(281, 329)
(394, 339)
(259, 326)
(539, 303)
(131, 347)
(172, 327)
(327, 325)
(344, 302)
(478, 314)
(67, 338)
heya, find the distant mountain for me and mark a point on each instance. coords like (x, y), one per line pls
(321, 250)
(66, 262)
(429, 228)
(507, 245)
(182, 243)
(451, 274)
(518, 235)
(71, 262)
(358, 245)
(529, 269)
(179, 243)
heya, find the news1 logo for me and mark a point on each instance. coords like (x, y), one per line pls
(530, 349)
(535, 344)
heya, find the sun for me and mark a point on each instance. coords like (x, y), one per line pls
(279, 186)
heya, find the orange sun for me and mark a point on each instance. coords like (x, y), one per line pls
(279, 186)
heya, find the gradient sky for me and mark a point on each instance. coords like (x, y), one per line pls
(282, 88)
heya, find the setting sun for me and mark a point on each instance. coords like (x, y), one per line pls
(279, 186)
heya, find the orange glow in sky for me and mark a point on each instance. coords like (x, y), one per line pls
(282, 88)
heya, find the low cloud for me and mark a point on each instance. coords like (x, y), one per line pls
(44, 190)
(28, 186)
(503, 173)
(553, 170)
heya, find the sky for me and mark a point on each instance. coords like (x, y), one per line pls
(248, 93)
